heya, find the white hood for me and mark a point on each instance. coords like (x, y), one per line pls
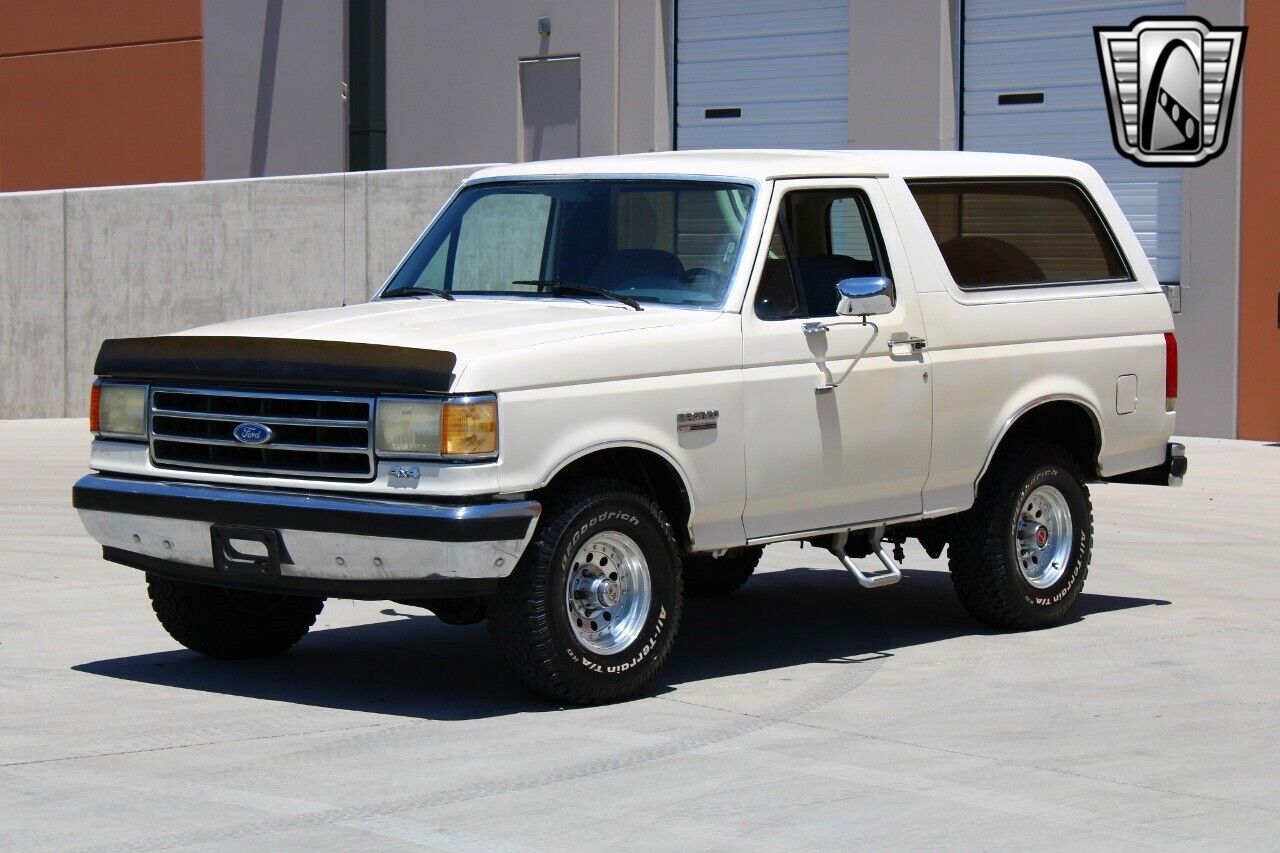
(469, 327)
(463, 326)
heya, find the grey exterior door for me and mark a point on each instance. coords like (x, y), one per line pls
(762, 74)
(1032, 86)
(550, 108)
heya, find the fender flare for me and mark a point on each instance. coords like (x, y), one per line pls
(1094, 418)
(658, 451)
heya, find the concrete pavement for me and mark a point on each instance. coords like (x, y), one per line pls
(801, 713)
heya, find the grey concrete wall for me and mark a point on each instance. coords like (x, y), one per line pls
(79, 266)
(453, 85)
(272, 70)
(902, 80)
(32, 293)
(1209, 325)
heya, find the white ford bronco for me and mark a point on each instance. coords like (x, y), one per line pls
(596, 386)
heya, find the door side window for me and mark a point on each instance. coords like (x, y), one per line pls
(777, 297)
(825, 237)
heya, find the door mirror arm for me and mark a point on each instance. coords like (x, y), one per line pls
(859, 297)
(820, 328)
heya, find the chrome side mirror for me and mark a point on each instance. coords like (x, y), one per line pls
(864, 296)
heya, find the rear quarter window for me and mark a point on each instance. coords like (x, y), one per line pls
(1019, 233)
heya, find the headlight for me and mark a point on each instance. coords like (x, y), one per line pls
(463, 428)
(118, 411)
(409, 426)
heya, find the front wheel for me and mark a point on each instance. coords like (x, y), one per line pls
(1019, 557)
(590, 613)
(231, 623)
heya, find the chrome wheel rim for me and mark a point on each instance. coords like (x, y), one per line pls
(1043, 535)
(608, 593)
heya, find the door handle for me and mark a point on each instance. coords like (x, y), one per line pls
(913, 344)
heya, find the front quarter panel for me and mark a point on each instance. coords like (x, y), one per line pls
(626, 391)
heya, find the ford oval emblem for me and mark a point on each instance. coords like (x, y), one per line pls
(252, 433)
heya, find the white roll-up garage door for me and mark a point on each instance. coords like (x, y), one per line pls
(762, 73)
(1040, 55)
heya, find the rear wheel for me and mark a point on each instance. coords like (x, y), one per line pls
(1019, 557)
(706, 576)
(231, 623)
(590, 613)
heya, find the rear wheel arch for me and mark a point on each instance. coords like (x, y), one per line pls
(1071, 423)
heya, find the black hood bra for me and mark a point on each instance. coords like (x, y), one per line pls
(277, 362)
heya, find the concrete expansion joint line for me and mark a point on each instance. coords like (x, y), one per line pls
(347, 815)
(168, 747)
(977, 755)
(118, 589)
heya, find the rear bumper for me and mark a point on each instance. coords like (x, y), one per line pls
(1169, 473)
(328, 545)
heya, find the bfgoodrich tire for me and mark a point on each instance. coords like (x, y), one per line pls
(591, 611)
(706, 576)
(231, 623)
(1019, 557)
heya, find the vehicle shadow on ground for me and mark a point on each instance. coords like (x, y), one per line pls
(416, 666)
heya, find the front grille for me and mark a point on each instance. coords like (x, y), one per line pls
(313, 435)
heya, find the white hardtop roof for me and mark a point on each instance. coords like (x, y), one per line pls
(769, 164)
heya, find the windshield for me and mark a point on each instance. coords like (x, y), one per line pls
(651, 241)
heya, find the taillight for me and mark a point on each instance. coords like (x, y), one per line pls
(95, 399)
(1170, 372)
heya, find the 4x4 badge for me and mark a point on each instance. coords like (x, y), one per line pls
(1171, 86)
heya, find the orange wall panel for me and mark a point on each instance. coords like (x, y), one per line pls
(1259, 409)
(119, 115)
(38, 26)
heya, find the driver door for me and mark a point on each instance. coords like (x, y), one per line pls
(818, 458)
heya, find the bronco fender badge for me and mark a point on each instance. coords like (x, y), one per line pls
(252, 433)
(695, 421)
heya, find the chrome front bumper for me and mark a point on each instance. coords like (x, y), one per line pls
(328, 545)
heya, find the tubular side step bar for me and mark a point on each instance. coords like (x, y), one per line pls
(891, 574)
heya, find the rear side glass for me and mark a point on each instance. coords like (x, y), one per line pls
(1018, 233)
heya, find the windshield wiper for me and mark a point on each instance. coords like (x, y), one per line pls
(557, 286)
(419, 291)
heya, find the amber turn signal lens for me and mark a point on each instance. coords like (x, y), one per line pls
(95, 401)
(469, 429)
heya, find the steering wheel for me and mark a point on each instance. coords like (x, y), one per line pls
(706, 279)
